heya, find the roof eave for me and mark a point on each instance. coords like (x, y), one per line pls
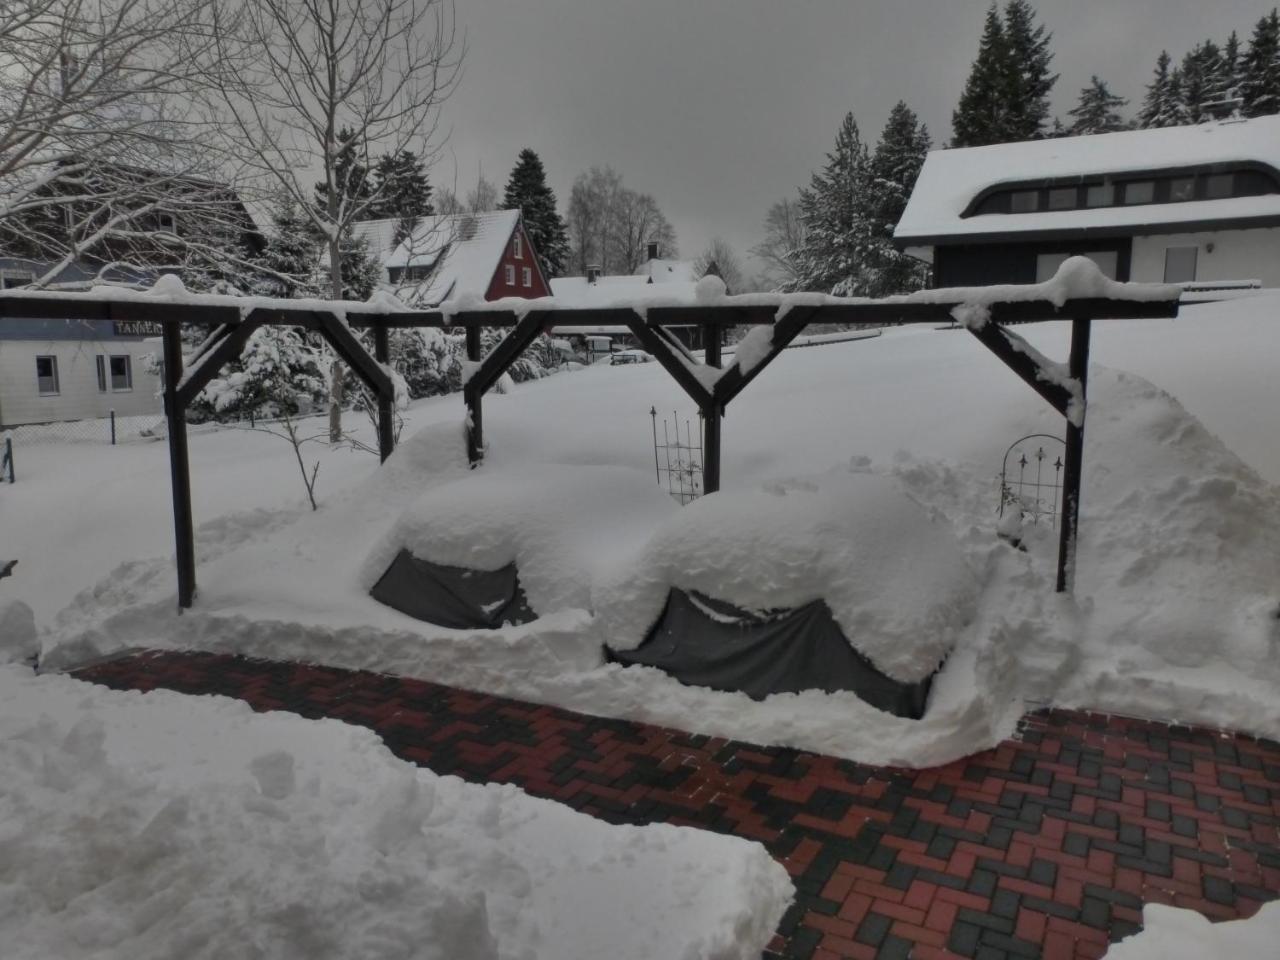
(1100, 232)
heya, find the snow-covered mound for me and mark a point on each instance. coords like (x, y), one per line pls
(560, 525)
(150, 827)
(1173, 933)
(896, 582)
(18, 639)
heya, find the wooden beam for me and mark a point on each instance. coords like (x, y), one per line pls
(1073, 466)
(226, 349)
(673, 361)
(475, 404)
(734, 380)
(507, 352)
(386, 404)
(179, 468)
(1019, 357)
(353, 353)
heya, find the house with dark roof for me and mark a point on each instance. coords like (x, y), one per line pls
(477, 256)
(1195, 204)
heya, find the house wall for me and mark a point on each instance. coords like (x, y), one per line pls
(984, 264)
(1236, 255)
(499, 287)
(78, 396)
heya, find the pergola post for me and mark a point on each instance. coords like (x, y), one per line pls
(474, 401)
(386, 404)
(179, 467)
(1073, 465)
(711, 414)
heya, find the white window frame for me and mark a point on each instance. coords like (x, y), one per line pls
(517, 247)
(57, 385)
(511, 275)
(526, 276)
(128, 372)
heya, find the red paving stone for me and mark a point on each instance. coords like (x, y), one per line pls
(1047, 846)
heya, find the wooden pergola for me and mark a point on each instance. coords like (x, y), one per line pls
(712, 386)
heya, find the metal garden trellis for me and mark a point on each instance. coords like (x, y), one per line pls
(232, 320)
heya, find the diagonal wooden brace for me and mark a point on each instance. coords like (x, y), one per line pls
(339, 336)
(490, 369)
(1019, 357)
(733, 381)
(672, 360)
(214, 355)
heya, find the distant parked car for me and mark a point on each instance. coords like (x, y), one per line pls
(629, 356)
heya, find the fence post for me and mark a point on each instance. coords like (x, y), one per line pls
(474, 400)
(8, 459)
(1078, 370)
(179, 467)
(711, 415)
(113, 428)
(386, 405)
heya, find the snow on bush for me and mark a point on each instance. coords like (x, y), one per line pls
(160, 826)
(560, 525)
(897, 583)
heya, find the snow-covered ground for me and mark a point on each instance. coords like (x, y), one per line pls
(158, 826)
(1171, 933)
(1174, 614)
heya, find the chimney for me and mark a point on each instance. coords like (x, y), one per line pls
(653, 249)
(593, 274)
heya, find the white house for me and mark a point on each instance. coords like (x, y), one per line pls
(1177, 204)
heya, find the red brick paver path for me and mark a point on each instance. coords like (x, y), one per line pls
(1047, 846)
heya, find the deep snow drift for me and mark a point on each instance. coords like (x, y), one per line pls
(1173, 614)
(158, 826)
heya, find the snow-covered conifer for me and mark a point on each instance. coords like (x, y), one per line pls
(527, 191)
(1029, 58)
(1163, 106)
(1260, 69)
(1098, 110)
(892, 171)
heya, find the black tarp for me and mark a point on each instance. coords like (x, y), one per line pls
(453, 596)
(709, 643)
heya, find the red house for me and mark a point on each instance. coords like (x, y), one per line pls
(479, 256)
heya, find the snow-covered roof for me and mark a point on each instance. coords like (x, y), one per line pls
(951, 180)
(609, 291)
(668, 271)
(462, 251)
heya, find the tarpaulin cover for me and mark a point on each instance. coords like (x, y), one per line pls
(453, 596)
(709, 643)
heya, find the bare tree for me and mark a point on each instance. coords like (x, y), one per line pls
(483, 198)
(103, 165)
(308, 87)
(721, 259)
(784, 235)
(611, 226)
(636, 223)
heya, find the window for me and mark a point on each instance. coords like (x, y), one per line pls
(527, 277)
(15, 278)
(1139, 191)
(166, 224)
(1180, 264)
(511, 275)
(1099, 195)
(1219, 185)
(47, 375)
(102, 373)
(1062, 198)
(1024, 201)
(517, 248)
(1182, 188)
(121, 373)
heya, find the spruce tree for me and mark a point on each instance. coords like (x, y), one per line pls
(350, 176)
(833, 208)
(292, 255)
(1098, 110)
(361, 272)
(892, 173)
(1030, 79)
(1260, 69)
(1202, 81)
(527, 191)
(403, 192)
(982, 116)
(1163, 106)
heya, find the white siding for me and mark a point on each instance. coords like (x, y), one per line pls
(1236, 255)
(78, 396)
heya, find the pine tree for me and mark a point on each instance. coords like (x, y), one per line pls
(1163, 105)
(527, 191)
(1030, 79)
(982, 116)
(833, 207)
(361, 273)
(1202, 81)
(292, 255)
(892, 173)
(1260, 69)
(402, 192)
(1098, 110)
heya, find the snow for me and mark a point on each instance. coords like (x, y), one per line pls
(462, 250)
(160, 825)
(1179, 554)
(1173, 933)
(952, 179)
(837, 538)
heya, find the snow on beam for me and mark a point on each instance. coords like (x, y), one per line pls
(207, 364)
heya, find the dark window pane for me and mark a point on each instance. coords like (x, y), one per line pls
(121, 375)
(1062, 198)
(1139, 191)
(1025, 201)
(1182, 188)
(1218, 185)
(47, 374)
(1100, 195)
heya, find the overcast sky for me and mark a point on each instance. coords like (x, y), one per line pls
(720, 107)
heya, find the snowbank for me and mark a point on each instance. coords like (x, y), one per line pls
(898, 585)
(1171, 933)
(18, 639)
(560, 525)
(160, 826)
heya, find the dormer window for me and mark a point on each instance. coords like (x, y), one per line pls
(165, 223)
(1139, 191)
(1182, 188)
(1062, 198)
(1099, 195)
(1024, 201)
(1219, 185)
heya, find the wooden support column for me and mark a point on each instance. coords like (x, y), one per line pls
(711, 414)
(474, 400)
(179, 467)
(1073, 467)
(386, 404)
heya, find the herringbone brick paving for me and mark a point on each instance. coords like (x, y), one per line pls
(1047, 846)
